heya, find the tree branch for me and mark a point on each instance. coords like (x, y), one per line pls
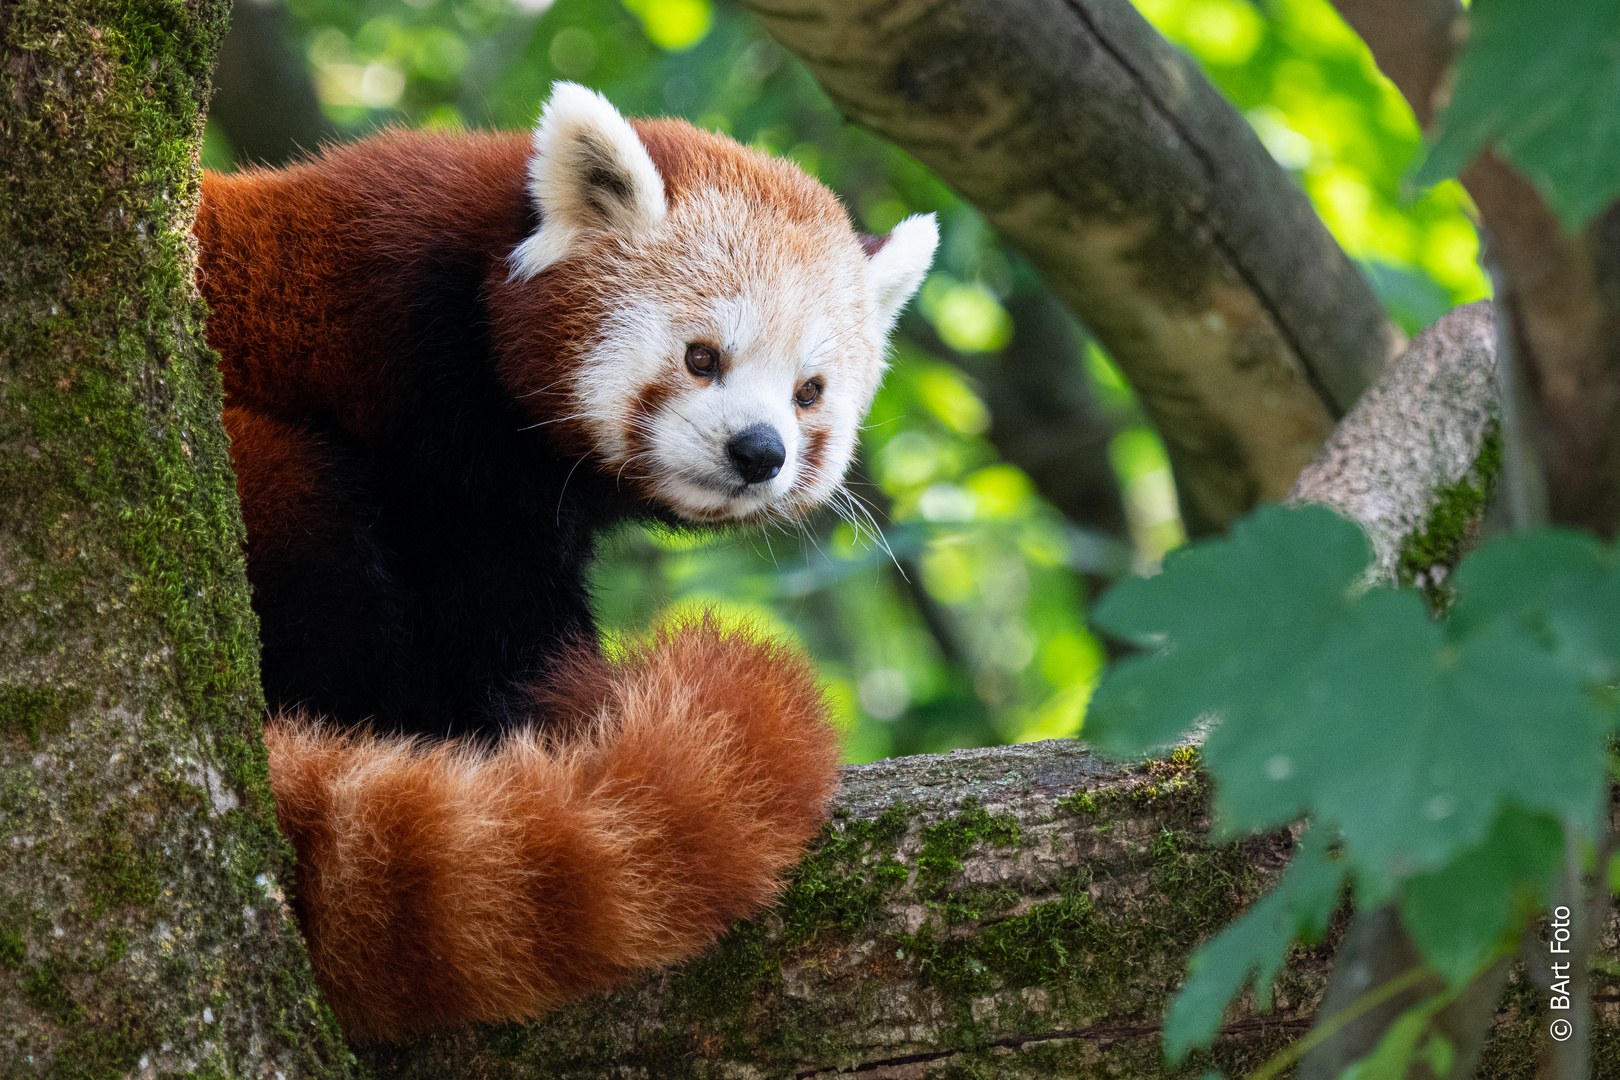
(1022, 909)
(1413, 437)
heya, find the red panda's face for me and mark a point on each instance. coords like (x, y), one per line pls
(729, 327)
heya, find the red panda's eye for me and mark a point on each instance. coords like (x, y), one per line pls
(702, 359)
(808, 392)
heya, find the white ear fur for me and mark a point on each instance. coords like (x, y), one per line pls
(589, 171)
(900, 265)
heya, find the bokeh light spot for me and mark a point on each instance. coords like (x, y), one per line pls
(674, 25)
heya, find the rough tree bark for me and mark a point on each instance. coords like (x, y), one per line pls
(1027, 911)
(142, 927)
(1018, 912)
(1144, 198)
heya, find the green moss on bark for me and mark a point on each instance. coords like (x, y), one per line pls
(32, 711)
(1430, 554)
(140, 911)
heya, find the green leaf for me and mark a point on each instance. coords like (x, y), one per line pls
(1410, 742)
(1542, 82)
(1256, 944)
(1277, 584)
(1406, 735)
(1466, 915)
(1559, 586)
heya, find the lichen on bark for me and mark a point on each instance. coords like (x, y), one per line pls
(142, 925)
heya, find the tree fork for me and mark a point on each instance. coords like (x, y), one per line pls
(142, 926)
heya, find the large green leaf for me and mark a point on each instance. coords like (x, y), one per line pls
(1541, 81)
(1237, 611)
(1257, 944)
(1354, 707)
(1409, 741)
(1561, 586)
(1409, 738)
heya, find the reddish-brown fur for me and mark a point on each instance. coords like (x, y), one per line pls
(278, 480)
(445, 884)
(292, 261)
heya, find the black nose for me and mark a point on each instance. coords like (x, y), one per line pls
(757, 453)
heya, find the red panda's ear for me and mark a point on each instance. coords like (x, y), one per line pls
(589, 172)
(896, 264)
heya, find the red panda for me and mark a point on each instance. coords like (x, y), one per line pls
(451, 361)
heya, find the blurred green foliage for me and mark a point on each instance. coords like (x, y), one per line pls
(957, 617)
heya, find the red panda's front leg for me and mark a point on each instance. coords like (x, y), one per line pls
(443, 884)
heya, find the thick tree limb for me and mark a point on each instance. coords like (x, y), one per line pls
(1144, 198)
(1024, 910)
(1413, 437)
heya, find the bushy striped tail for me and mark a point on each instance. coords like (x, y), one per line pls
(446, 884)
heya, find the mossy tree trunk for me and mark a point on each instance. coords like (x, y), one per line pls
(142, 927)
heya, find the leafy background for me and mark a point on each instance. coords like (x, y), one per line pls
(965, 623)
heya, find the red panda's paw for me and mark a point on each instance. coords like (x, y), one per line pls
(442, 885)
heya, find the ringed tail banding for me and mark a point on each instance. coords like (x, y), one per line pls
(446, 884)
